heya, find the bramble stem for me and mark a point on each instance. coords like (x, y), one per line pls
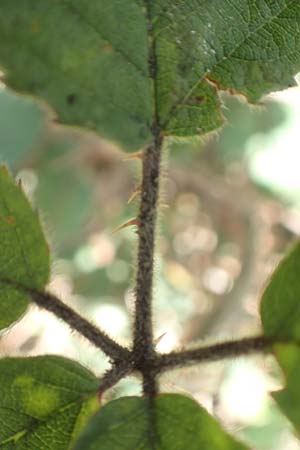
(143, 346)
(216, 352)
(113, 375)
(97, 337)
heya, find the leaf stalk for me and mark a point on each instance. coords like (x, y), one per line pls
(216, 352)
(143, 345)
(78, 323)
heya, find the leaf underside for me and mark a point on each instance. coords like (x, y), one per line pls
(91, 60)
(24, 255)
(45, 401)
(173, 421)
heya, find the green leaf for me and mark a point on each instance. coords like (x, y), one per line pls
(24, 255)
(89, 60)
(280, 313)
(173, 422)
(93, 62)
(280, 306)
(288, 399)
(242, 46)
(44, 402)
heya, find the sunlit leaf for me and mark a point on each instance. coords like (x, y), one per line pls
(203, 46)
(24, 253)
(280, 306)
(280, 312)
(288, 399)
(173, 422)
(44, 402)
(93, 62)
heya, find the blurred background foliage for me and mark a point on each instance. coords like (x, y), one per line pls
(229, 210)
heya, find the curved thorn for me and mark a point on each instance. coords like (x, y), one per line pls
(129, 223)
(135, 193)
(137, 155)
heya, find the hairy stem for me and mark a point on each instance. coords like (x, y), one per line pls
(157, 364)
(143, 347)
(216, 352)
(113, 375)
(97, 337)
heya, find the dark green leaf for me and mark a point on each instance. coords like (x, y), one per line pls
(44, 402)
(90, 60)
(87, 59)
(173, 422)
(24, 255)
(280, 307)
